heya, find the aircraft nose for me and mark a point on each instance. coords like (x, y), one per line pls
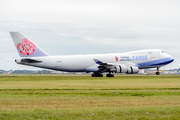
(172, 59)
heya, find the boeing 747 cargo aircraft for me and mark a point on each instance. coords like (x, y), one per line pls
(129, 62)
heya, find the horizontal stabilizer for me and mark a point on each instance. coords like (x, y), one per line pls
(28, 60)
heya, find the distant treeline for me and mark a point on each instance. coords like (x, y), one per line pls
(26, 72)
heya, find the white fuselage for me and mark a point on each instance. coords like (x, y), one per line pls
(85, 63)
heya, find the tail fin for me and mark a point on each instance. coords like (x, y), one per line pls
(25, 47)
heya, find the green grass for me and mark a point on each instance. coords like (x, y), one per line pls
(82, 97)
(132, 113)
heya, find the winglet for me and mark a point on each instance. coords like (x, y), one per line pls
(97, 61)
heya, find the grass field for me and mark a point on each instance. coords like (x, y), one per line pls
(135, 97)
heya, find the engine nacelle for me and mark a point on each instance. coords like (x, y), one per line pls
(132, 70)
(121, 69)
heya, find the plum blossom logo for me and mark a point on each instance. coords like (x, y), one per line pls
(26, 47)
(116, 58)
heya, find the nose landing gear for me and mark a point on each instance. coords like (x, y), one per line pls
(157, 73)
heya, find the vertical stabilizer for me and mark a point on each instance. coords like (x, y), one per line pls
(25, 47)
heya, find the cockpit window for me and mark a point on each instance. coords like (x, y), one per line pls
(162, 51)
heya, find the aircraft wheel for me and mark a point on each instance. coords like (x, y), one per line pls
(100, 75)
(93, 75)
(157, 73)
(109, 75)
(97, 75)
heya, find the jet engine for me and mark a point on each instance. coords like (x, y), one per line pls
(126, 69)
(121, 69)
(132, 70)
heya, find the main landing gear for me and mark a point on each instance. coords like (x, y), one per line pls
(109, 75)
(101, 75)
(97, 75)
(157, 73)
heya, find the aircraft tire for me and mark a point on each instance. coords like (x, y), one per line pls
(101, 75)
(97, 75)
(109, 75)
(93, 75)
(157, 73)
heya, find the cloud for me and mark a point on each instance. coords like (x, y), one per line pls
(91, 26)
(92, 12)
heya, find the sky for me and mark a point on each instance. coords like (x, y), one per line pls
(70, 27)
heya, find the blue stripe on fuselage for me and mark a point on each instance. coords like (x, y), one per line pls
(155, 63)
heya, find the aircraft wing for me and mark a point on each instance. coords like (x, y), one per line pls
(104, 64)
(114, 67)
(111, 64)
